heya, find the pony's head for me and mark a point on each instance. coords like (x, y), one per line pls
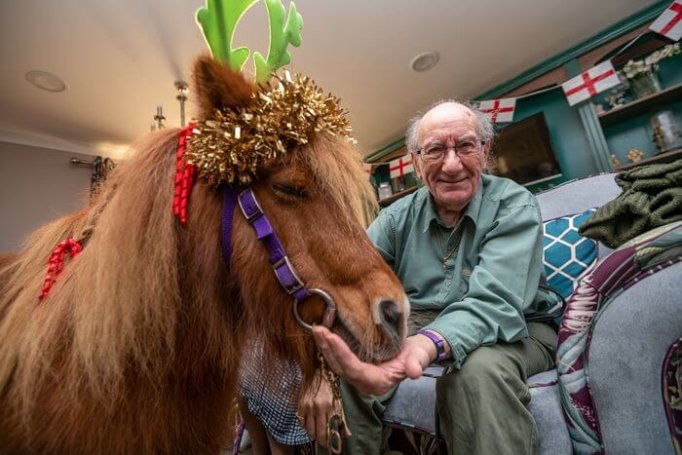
(317, 198)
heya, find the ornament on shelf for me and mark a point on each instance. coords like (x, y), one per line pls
(616, 96)
(635, 156)
(615, 162)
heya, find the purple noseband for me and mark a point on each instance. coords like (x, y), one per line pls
(284, 270)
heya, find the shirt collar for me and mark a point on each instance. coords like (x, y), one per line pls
(472, 209)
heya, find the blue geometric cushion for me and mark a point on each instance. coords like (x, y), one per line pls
(566, 254)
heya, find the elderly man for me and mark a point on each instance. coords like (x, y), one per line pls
(468, 251)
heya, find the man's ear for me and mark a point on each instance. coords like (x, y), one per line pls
(486, 155)
(417, 163)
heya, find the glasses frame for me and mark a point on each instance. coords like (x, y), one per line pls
(480, 143)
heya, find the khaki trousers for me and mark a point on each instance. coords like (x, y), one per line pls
(483, 407)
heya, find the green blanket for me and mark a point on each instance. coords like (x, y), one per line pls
(651, 197)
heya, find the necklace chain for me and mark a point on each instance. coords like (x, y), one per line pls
(444, 246)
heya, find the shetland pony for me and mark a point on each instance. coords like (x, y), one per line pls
(137, 346)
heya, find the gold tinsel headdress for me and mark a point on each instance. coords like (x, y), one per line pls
(282, 115)
(283, 112)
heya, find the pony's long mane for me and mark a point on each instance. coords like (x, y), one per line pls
(118, 304)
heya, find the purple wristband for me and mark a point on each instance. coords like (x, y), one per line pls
(439, 342)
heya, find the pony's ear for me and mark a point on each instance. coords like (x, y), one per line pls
(217, 86)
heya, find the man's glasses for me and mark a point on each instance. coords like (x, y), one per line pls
(437, 151)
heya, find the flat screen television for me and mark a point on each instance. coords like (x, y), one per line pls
(523, 152)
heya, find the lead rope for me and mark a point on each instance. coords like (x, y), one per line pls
(337, 427)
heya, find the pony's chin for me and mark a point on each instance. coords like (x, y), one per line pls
(390, 345)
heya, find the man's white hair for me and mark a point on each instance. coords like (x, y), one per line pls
(484, 126)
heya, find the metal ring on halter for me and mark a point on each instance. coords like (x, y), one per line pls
(329, 312)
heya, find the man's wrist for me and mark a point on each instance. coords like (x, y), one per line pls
(438, 342)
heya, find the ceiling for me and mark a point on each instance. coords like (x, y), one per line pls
(120, 59)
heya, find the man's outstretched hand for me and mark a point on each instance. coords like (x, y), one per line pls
(370, 379)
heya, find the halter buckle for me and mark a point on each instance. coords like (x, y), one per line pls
(297, 284)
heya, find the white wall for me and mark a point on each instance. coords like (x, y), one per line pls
(36, 186)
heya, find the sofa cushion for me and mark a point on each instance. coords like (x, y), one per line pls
(566, 254)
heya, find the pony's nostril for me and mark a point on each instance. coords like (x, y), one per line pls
(389, 312)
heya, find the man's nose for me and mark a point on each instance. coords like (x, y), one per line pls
(451, 161)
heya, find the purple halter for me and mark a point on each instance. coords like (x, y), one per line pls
(282, 267)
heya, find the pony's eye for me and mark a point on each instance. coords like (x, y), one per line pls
(290, 190)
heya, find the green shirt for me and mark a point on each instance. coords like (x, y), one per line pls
(483, 273)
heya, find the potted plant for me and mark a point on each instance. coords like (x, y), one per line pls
(642, 74)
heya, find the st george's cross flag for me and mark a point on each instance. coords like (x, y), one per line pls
(500, 110)
(669, 23)
(586, 85)
(401, 166)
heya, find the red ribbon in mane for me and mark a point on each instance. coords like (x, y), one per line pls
(184, 177)
(56, 263)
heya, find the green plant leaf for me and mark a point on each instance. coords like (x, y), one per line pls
(281, 35)
(218, 20)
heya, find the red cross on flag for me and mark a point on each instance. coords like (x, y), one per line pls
(401, 166)
(669, 23)
(586, 85)
(499, 110)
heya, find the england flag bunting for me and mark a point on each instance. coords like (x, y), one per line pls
(669, 23)
(586, 85)
(499, 110)
(401, 166)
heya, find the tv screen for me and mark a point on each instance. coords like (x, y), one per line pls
(523, 152)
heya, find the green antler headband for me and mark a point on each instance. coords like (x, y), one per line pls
(218, 21)
(283, 112)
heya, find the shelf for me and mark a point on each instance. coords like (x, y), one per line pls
(385, 202)
(641, 105)
(665, 157)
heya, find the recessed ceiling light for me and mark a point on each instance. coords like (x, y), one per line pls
(424, 61)
(45, 81)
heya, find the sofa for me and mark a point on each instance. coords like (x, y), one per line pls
(617, 385)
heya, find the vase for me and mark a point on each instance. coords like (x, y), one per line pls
(645, 84)
(667, 135)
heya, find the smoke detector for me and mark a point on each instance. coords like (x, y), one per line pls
(424, 61)
(45, 81)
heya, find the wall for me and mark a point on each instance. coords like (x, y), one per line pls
(36, 186)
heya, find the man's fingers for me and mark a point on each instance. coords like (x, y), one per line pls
(366, 377)
(335, 351)
(321, 429)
